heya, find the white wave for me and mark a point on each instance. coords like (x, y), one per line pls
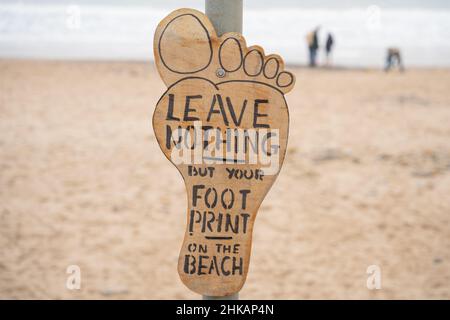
(126, 32)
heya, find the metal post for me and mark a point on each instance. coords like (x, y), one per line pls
(226, 16)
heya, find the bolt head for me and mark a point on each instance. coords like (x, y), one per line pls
(220, 73)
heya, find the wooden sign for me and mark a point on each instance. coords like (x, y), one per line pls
(223, 122)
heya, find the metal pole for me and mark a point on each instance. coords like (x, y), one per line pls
(226, 16)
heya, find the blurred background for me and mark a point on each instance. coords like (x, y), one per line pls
(365, 185)
(363, 29)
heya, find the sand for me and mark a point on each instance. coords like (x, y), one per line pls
(83, 182)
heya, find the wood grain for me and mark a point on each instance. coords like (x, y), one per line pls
(223, 122)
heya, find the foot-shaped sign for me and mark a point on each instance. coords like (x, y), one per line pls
(223, 122)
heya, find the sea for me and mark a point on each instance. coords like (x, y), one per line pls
(123, 30)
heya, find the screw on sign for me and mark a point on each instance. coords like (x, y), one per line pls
(223, 122)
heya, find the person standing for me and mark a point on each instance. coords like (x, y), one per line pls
(328, 48)
(313, 45)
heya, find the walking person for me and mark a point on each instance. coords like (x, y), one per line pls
(329, 48)
(313, 45)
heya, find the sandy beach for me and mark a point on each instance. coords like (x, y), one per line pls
(83, 182)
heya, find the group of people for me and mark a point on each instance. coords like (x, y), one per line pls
(393, 55)
(312, 39)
